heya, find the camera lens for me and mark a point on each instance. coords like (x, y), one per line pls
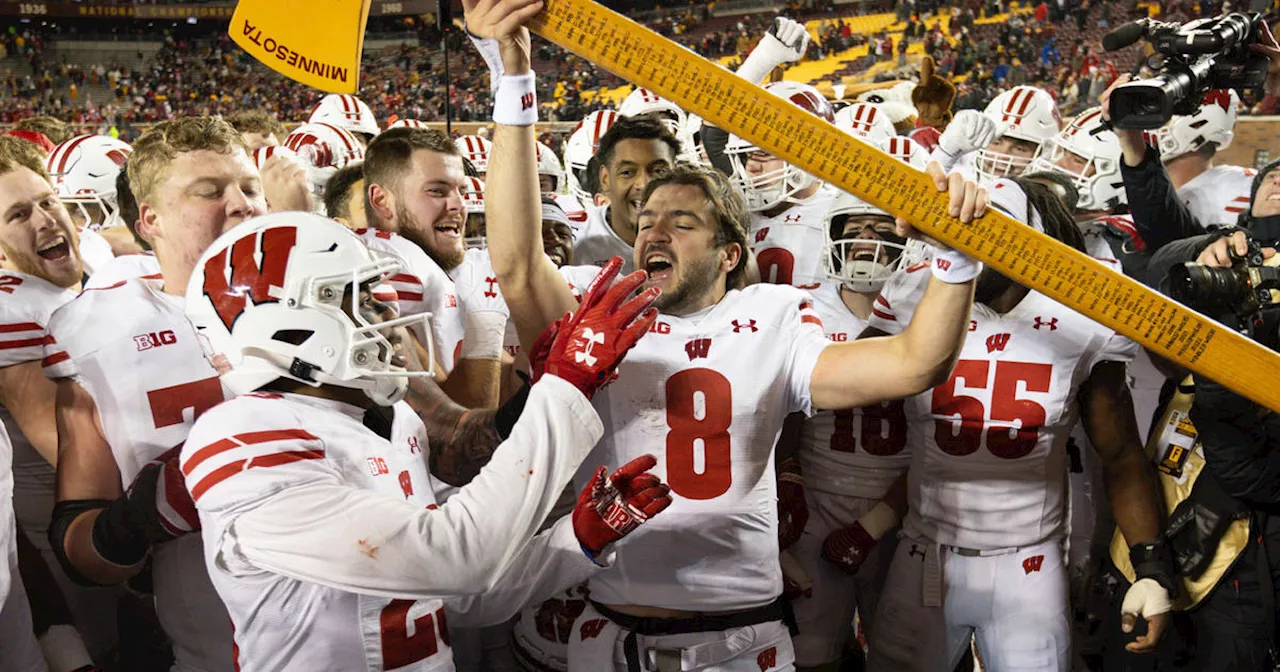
(1206, 289)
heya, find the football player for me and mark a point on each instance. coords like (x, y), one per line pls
(333, 526)
(344, 196)
(632, 152)
(787, 204)
(848, 459)
(131, 377)
(981, 555)
(40, 269)
(348, 113)
(259, 128)
(704, 583)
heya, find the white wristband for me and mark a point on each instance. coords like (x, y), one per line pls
(879, 520)
(954, 267)
(492, 55)
(63, 649)
(483, 336)
(515, 103)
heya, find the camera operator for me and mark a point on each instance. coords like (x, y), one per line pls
(1235, 623)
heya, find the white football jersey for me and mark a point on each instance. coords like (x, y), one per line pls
(477, 287)
(988, 467)
(707, 393)
(788, 246)
(295, 440)
(28, 303)
(422, 287)
(124, 267)
(1219, 195)
(856, 452)
(95, 251)
(370, 599)
(597, 243)
(131, 347)
(575, 210)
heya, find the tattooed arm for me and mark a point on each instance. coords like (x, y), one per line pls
(460, 441)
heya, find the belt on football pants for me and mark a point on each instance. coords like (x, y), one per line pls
(777, 610)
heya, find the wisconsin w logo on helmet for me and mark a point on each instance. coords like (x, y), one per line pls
(250, 279)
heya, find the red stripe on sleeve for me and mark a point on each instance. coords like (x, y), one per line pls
(811, 319)
(20, 326)
(883, 315)
(24, 343)
(273, 460)
(883, 301)
(55, 358)
(246, 439)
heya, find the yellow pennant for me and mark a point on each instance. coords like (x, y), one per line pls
(315, 42)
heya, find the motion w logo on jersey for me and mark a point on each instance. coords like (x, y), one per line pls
(698, 347)
(997, 342)
(249, 278)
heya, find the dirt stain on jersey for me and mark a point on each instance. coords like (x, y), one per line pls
(367, 549)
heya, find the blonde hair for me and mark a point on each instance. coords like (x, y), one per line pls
(257, 121)
(158, 147)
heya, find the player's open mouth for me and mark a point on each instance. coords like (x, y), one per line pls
(557, 257)
(865, 254)
(56, 249)
(659, 265)
(450, 229)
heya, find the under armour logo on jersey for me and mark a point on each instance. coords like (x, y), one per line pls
(791, 219)
(154, 340)
(377, 466)
(414, 448)
(997, 342)
(491, 292)
(592, 337)
(1033, 563)
(698, 347)
(1052, 324)
(592, 628)
(916, 550)
(761, 234)
(768, 659)
(738, 327)
(406, 484)
(526, 101)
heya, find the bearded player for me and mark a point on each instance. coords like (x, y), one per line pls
(711, 570)
(981, 554)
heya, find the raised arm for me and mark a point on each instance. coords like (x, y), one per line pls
(535, 291)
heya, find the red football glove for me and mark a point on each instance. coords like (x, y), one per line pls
(175, 510)
(793, 510)
(609, 510)
(848, 547)
(590, 342)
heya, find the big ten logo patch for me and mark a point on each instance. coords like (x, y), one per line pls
(154, 339)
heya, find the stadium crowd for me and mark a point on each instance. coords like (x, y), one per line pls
(292, 381)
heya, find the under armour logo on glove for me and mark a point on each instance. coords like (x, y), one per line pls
(848, 547)
(587, 345)
(609, 509)
(590, 339)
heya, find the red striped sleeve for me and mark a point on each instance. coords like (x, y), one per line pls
(883, 315)
(19, 326)
(246, 439)
(54, 359)
(272, 460)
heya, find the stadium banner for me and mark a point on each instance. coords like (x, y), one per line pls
(211, 11)
(322, 52)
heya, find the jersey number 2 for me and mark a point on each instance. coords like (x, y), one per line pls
(689, 426)
(399, 648)
(1004, 438)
